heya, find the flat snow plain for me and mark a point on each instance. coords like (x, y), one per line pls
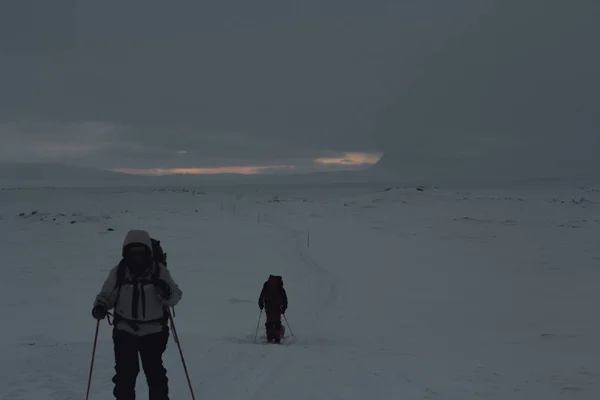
(395, 293)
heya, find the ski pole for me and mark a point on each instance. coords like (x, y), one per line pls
(176, 338)
(288, 324)
(89, 385)
(257, 324)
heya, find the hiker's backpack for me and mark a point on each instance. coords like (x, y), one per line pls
(157, 251)
(275, 281)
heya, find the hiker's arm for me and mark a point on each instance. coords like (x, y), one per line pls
(106, 297)
(261, 298)
(284, 298)
(175, 292)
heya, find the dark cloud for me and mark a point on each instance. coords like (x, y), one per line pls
(237, 82)
(105, 145)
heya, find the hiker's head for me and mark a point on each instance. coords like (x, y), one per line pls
(137, 251)
(138, 257)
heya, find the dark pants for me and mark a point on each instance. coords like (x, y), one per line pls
(273, 325)
(127, 367)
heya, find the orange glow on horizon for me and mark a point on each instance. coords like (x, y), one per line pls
(346, 160)
(351, 159)
(254, 170)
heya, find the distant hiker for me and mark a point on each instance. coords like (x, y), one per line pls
(273, 298)
(140, 290)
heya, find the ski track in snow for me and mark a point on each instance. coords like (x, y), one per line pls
(402, 294)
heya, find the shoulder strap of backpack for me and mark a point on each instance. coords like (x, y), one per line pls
(155, 273)
(121, 271)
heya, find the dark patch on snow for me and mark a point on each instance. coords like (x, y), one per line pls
(507, 198)
(581, 201)
(570, 226)
(277, 199)
(571, 389)
(473, 219)
(75, 217)
(192, 192)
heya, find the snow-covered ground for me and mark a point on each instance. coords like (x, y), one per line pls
(394, 294)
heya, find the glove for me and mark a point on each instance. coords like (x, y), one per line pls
(99, 312)
(283, 308)
(163, 290)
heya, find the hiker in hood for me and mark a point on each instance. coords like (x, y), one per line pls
(273, 299)
(140, 290)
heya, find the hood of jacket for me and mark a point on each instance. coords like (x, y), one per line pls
(137, 236)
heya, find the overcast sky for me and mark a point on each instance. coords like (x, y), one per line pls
(202, 84)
